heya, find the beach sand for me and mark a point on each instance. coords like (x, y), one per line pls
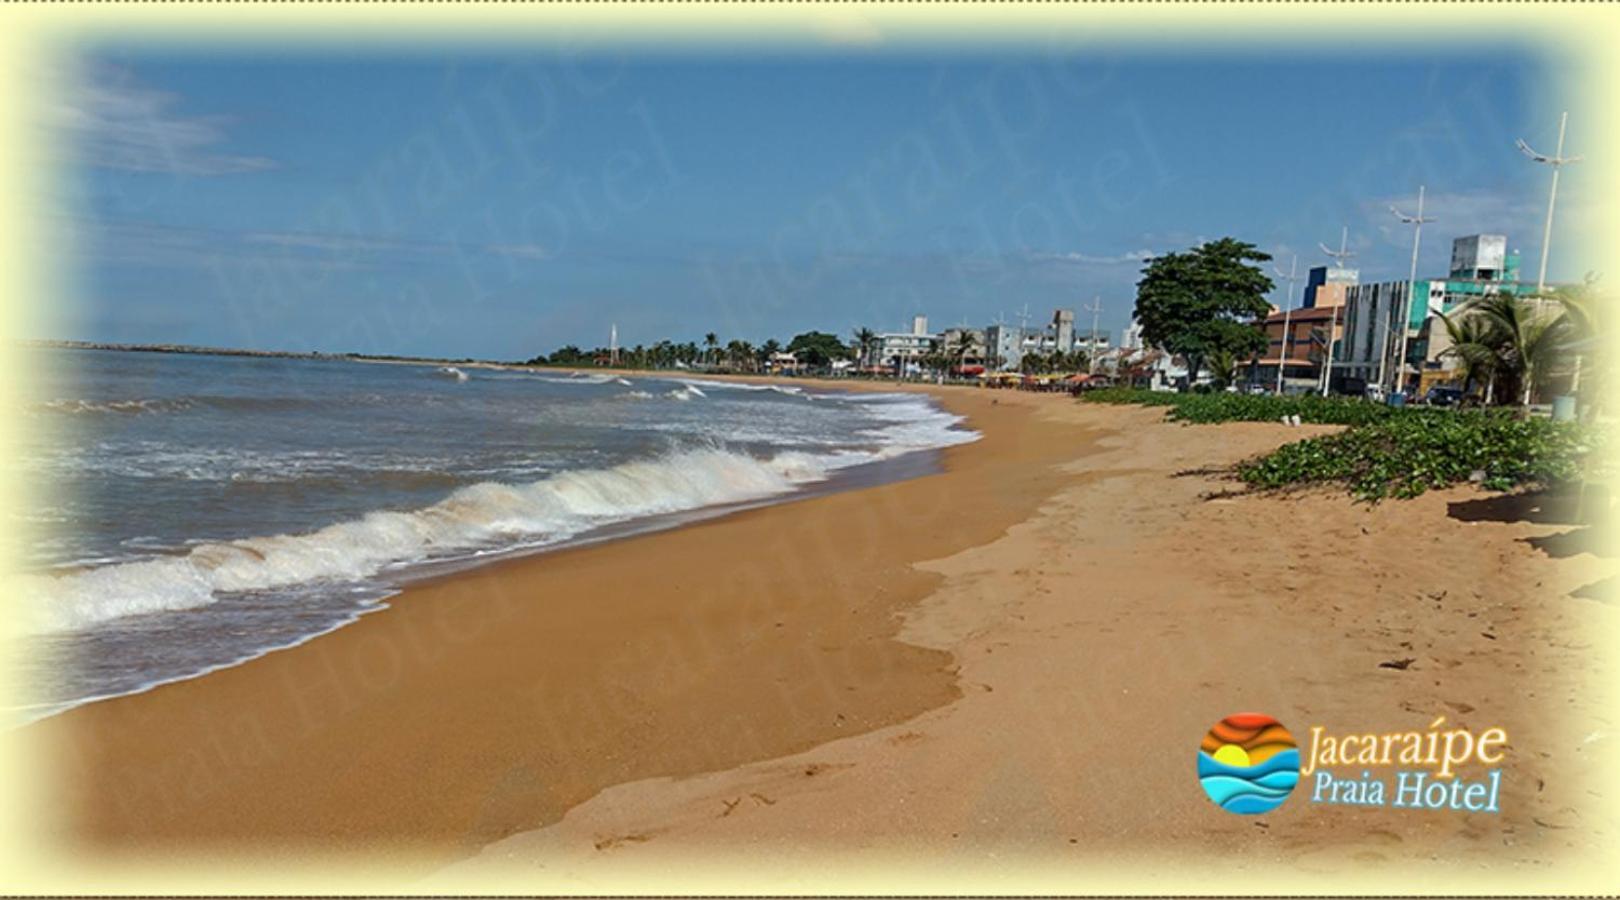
(992, 678)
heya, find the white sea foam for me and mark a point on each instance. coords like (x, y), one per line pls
(912, 423)
(73, 406)
(789, 389)
(478, 516)
(482, 517)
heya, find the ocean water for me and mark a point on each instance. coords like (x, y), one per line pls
(197, 511)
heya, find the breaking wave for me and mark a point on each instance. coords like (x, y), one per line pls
(71, 406)
(475, 517)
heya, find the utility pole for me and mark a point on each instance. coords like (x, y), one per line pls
(1557, 161)
(1288, 306)
(1417, 223)
(1091, 352)
(1339, 258)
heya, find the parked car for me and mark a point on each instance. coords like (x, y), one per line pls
(1443, 396)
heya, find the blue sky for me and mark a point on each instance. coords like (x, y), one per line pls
(499, 206)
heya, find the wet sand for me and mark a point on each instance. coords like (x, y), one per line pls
(490, 701)
(910, 685)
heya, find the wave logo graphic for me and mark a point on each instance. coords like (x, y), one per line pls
(1248, 764)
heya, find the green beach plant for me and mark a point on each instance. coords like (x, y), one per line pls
(1405, 455)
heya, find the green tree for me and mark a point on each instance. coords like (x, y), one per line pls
(1530, 335)
(1035, 364)
(1474, 342)
(817, 348)
(866, 340)
(1203, 301)
(770, 348)
(962, 348)
(569, 355)
(1583, 327)
(1223, 366)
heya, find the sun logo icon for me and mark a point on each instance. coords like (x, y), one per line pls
(1248, 763)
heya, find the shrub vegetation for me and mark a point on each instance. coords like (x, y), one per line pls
(1405, 455)
(1209, 408)
(1386, 451)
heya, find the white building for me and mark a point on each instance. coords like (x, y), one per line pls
(1006, 345)
(1165, 371)
(950, 342)
(902, 351)
(1374, 317)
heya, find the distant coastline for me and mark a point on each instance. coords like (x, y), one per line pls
(231, 351)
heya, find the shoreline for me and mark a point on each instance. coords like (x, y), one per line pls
(385, 658)
(907, 463)
(585, 720)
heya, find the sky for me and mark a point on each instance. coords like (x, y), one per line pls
(500, 205)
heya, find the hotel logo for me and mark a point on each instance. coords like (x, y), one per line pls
(1248, 763)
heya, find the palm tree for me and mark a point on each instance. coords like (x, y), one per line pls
(710, 344)
(1530, 337)
(1474, 343)
(1581, 323)
(962, 347)
(1223, 365)
(865, 340)
(770, 348)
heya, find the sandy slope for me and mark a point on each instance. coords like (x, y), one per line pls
(994, 678)
(1096, 641)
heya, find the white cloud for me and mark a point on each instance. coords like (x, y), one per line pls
(1089, 259)
(113, 122)
(1462, 212)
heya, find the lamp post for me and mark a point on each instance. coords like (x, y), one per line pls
(1557, 161)
(1091, 352)
(1288, 300)
(1416, 222)
(1339, 257)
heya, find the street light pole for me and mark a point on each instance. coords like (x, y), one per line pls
(1416, 222)
(1339, 257)
(1288, 301)
(1557, 161)
(1091, 352)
